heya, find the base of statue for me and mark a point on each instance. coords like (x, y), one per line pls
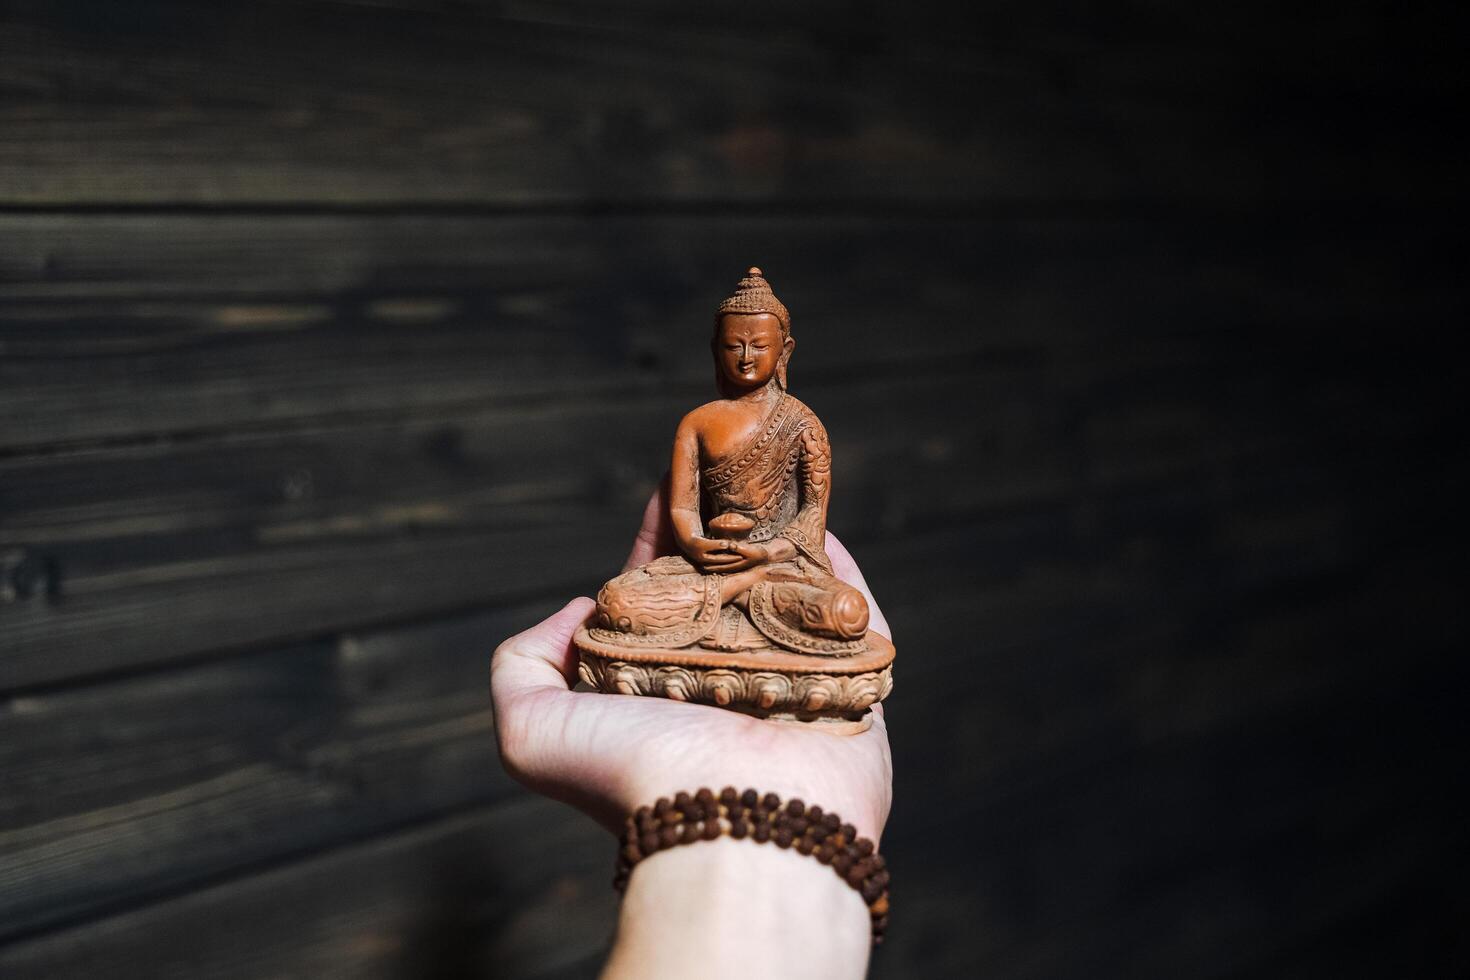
(834, 694)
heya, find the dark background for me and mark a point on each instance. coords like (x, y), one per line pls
(340, 340)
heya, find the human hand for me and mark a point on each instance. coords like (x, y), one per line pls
(609, 754)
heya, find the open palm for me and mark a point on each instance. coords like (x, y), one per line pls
(609, 754)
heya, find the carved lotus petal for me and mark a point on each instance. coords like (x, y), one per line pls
(862, 691)
(676, 683)
(722, 687)
(769, 690)
(627, 678)
(816, 691)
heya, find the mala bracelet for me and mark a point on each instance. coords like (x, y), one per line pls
(705, 816)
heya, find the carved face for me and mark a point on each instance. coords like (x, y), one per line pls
(748, 348)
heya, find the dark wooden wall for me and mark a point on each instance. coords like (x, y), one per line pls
(340, 340)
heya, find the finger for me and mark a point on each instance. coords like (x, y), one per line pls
(542, 656)
(656, 535)
(845, 568)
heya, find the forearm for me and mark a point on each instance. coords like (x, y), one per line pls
(687, 526)
(735, 908)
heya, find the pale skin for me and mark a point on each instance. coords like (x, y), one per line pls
(748, 348)
(723, 908)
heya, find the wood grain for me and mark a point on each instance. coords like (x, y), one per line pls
(138, 327)
(355, 523)
(316, 103)
(453, 897)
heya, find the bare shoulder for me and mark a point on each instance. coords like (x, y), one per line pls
(699, 419)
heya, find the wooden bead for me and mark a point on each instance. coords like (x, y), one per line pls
(809, 830)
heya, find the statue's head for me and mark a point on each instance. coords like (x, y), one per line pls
(753, 341)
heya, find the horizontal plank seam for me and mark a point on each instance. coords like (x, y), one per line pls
(945, 210)
(936, 369)
(265, 865)
(951, 523)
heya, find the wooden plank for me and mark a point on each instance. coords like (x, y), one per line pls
(1224, 785)
(561, 102)
(341, 526)
(145, 786)
(517, 890)
(129, 326)
(140, 326)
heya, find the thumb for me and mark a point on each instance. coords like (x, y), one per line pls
(542, 656)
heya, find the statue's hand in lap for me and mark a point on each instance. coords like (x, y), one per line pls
(714, 555)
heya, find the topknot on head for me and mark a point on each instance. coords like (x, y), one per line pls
(753, 295)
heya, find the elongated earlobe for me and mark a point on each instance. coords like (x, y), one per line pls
(787, 347)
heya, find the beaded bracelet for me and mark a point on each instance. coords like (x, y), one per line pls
(705, 816)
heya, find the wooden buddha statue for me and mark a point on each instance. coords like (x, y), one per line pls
(749, 616)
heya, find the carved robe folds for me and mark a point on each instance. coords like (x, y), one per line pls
(778, 482)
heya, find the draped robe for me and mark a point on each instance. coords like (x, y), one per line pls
(779, 479)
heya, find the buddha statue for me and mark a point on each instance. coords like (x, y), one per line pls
(749, 616)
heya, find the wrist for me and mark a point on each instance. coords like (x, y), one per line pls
(866, 810)
(714, 902)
